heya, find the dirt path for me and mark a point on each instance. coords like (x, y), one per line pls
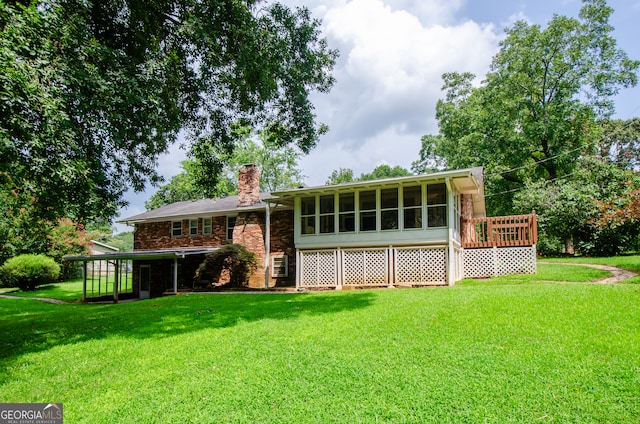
(617, 274)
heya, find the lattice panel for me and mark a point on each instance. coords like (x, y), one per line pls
(417, 266)
(318, 268)
(516, 260)
(501, 261)
(365, 267)
(478, 263)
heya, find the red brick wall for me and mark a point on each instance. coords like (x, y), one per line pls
(248, 231)
(282, 244)
(157, 235)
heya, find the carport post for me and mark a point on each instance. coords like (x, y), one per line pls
(115, 281)
(175, 275)
(84, 281)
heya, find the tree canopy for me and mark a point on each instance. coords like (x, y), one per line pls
(92, 92)
(345, 175)
(278, 167)
(539, 124)
(537, 110)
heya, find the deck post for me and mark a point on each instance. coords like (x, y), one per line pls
(340, 276)
(298, 268)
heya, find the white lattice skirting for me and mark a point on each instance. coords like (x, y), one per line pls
(373, 267)
(499, 261)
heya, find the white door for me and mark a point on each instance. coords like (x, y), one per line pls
(145, 281)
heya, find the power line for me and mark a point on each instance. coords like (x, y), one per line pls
(522, 188)
(592, 144)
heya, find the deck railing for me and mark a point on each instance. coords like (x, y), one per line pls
(500, 231)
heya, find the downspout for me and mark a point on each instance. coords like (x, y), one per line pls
(267, 244)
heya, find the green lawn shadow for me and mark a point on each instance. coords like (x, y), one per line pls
(31, 326)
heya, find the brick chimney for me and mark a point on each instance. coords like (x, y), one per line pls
(248, 185)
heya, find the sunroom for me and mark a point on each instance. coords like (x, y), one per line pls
(394, 232)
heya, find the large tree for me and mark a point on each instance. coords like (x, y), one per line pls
(92, 92)
(537, 111)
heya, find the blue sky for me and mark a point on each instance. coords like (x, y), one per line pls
(392, 55)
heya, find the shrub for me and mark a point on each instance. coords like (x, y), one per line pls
(29, 271)
(232, 257)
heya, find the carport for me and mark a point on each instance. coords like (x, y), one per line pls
(118, 269)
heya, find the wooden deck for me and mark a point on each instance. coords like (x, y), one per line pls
(500, 231)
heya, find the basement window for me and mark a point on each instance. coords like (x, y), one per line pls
(280, 266)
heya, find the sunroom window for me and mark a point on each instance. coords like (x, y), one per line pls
(327, 214)
(436, 205)
(347, 215)
(368, 210)
(389, 208)
(308, 215)
(412, 206)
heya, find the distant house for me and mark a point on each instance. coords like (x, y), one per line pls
(98, 248)
(422, 230)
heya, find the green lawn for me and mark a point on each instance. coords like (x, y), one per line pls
(545, 273)
(69, 291)
(630, 262)
(528, 352)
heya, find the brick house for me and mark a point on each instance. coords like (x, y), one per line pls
(409, 231)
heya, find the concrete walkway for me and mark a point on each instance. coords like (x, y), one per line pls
(617, 274)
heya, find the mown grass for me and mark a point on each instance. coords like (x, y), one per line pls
(529, 352)
(71, 291)
(545, 273)
(68, 291)
(630, 262)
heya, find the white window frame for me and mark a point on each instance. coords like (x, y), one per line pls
(192, 227)
(173, 229)
(229, 228)
(207, 228)
(432, 206)
(284, 263)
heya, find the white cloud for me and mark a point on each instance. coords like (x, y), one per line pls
(389, 72)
